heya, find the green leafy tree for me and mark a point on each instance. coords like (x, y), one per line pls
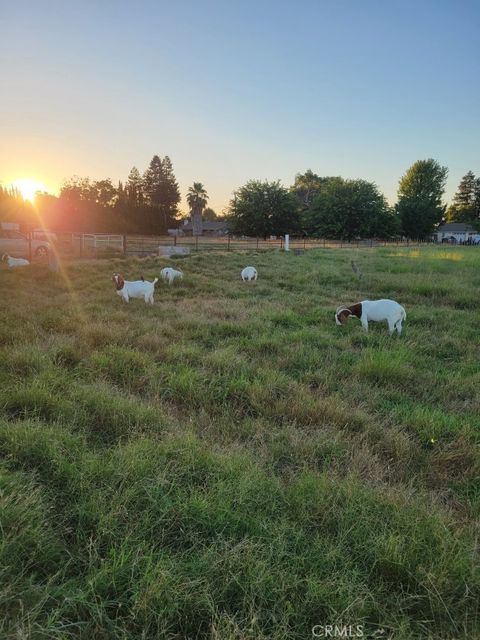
(420, 195)
(197, 199)
(349, 209)
(306, 186)
(103, 192)
(76, 189)
(263, 209)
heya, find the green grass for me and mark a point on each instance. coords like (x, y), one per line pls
(230, 464)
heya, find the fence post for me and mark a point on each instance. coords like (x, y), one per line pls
(30, 246)
(81, 245)
(175, 240)
(371, 242)
(324, 243)
(257, 242)
(304, 243)
(196, 242)
(124, 240)
(281, 242)
(228, 243)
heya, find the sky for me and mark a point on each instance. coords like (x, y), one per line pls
(234, 91)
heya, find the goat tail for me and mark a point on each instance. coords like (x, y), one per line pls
(404, 314)
(155, 281)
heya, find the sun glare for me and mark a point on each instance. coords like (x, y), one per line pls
(28, 188)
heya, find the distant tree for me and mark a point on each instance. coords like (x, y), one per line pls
(13, 208)
(121, 199)
(465, 205)
(103, 192)
(75, 189)
(171, 196)
(263, 209)
(476, 200)
(420, 195)
(349, 209)
(134, 188)
(153, 181)
(161, 189)
(209, 215)
(465, 195)
(197, 198)
(306, 186)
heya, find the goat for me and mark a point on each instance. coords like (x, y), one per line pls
(127, 289)
(249, 273)
(14, 262)
(374, 311)
(169, 274)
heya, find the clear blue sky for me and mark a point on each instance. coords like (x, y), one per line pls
(239, 90)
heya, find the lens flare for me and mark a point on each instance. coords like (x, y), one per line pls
(28, 188)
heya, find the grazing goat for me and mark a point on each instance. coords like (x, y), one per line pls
(169, 274)
(249, 273)
(14, 262)
(127, 289)
(374, 311)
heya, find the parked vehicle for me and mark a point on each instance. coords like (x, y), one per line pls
(44, 234)
(15, 244)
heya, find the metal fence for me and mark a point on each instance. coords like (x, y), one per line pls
(88, 245)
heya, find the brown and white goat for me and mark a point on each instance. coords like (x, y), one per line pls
(374, 311)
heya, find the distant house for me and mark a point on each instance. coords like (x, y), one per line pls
(460, 232)
(216, 228)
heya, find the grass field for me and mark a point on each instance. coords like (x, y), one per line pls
(230, 464)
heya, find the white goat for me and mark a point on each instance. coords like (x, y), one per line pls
(127, 289)
(169, 274)
(374, 311)
(14, 262)
(249, 273)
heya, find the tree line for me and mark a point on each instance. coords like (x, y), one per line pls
(330, 207)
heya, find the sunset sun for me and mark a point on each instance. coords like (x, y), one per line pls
(28, 188)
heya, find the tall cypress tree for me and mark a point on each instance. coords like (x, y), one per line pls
(476, 202)
(161, 190)
(171, 195)
(463, 208)
(134, 188)
(465, 194)
(153, 180)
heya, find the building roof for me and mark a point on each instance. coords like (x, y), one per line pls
(456, 227)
